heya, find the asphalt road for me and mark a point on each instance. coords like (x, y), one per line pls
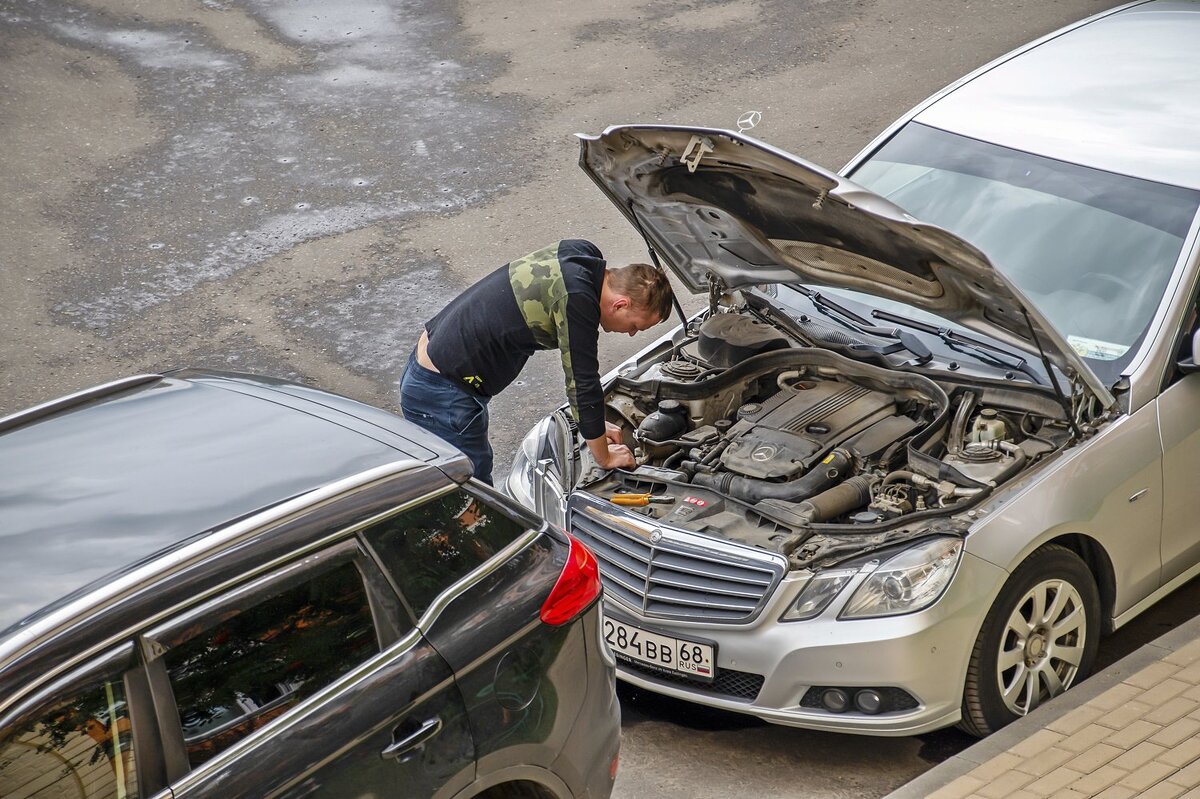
(294, 186)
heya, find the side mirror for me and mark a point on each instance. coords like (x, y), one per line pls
(1191, 364)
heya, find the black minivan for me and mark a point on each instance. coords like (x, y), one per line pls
(217, 585)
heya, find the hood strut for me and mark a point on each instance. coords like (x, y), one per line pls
(1058, 392)
(654, 259)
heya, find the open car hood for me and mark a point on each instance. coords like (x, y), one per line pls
(715, 201)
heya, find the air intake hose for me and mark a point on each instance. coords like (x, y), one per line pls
(851, 494)
(748, 489)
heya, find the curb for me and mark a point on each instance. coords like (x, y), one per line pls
(977, 754)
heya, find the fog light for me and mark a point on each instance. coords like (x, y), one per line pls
(868, 702)
(835, 700)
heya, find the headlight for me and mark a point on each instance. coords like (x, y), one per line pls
(520, 483)
(818, 593)
(910, 581)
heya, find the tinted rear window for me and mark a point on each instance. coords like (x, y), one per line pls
(431, 546)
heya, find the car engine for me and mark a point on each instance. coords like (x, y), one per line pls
(743, 433)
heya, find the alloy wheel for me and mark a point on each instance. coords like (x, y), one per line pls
(1041, 645)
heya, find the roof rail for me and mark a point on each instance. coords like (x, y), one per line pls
(28, 415)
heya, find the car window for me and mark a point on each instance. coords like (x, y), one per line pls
(428, 548)
(247, 667)
(1093, 250)
(79, 748)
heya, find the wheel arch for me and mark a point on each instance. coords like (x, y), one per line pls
(1093, 554)
(982, 709)
(518, 789)
(517, 782)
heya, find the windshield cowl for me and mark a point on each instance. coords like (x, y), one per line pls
(889, 333)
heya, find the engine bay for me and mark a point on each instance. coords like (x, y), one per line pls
(742, 433)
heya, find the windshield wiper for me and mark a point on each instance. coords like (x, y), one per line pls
(983, 350)
(843, 315)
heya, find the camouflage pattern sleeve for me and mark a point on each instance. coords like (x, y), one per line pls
(578, 327)
(568, 321)
(537, 284)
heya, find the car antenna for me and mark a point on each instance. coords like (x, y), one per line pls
(1058, 392)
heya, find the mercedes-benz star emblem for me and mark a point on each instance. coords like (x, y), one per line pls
(655, 536)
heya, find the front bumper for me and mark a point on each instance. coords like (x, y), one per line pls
(924, 654)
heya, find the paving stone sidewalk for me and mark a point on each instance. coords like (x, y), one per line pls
(1131, 730)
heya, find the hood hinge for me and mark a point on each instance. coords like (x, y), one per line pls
(695, 150)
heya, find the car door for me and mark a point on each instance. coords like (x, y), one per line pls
(1179, 425)
(476, 572)
(308, 681)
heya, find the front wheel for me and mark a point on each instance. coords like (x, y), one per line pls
(1038, 639)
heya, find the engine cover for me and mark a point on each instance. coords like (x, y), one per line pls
(790, 432)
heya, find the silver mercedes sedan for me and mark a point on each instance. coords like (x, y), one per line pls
(938, 428)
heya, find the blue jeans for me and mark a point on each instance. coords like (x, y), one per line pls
(448, 410)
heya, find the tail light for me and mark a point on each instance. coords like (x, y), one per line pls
(577, 586)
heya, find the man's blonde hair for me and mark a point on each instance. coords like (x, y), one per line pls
(646, 286)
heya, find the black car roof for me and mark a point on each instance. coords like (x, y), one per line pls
(104, 482)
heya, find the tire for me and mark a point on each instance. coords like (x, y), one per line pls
(1039, 638)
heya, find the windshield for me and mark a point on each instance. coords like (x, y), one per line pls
(1093, 250)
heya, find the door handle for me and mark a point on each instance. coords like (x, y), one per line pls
(406, 745)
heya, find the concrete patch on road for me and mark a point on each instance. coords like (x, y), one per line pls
(259, 156)
(370, 326)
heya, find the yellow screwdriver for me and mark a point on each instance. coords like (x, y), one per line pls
(638, 499)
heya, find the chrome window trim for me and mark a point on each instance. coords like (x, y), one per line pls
(300, 711)
(472, 578)
(293, 716)
(462, 584)
(21, 643)
(250, 585)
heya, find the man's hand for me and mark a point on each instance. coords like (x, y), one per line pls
(610, 456)
(613, 433)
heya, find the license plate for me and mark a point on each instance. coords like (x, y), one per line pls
(676, 655)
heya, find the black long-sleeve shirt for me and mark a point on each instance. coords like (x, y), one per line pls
(549, 299)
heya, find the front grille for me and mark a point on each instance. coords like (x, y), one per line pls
(671, 580)
(728, 682)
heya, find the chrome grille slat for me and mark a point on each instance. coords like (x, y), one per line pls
(714, 571)
(616, 557)
(665, 577)
(632, 552)
(677, 578)
(630, 582)
(666, 609)
(697, 600)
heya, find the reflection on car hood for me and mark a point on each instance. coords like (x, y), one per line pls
(715, 201)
